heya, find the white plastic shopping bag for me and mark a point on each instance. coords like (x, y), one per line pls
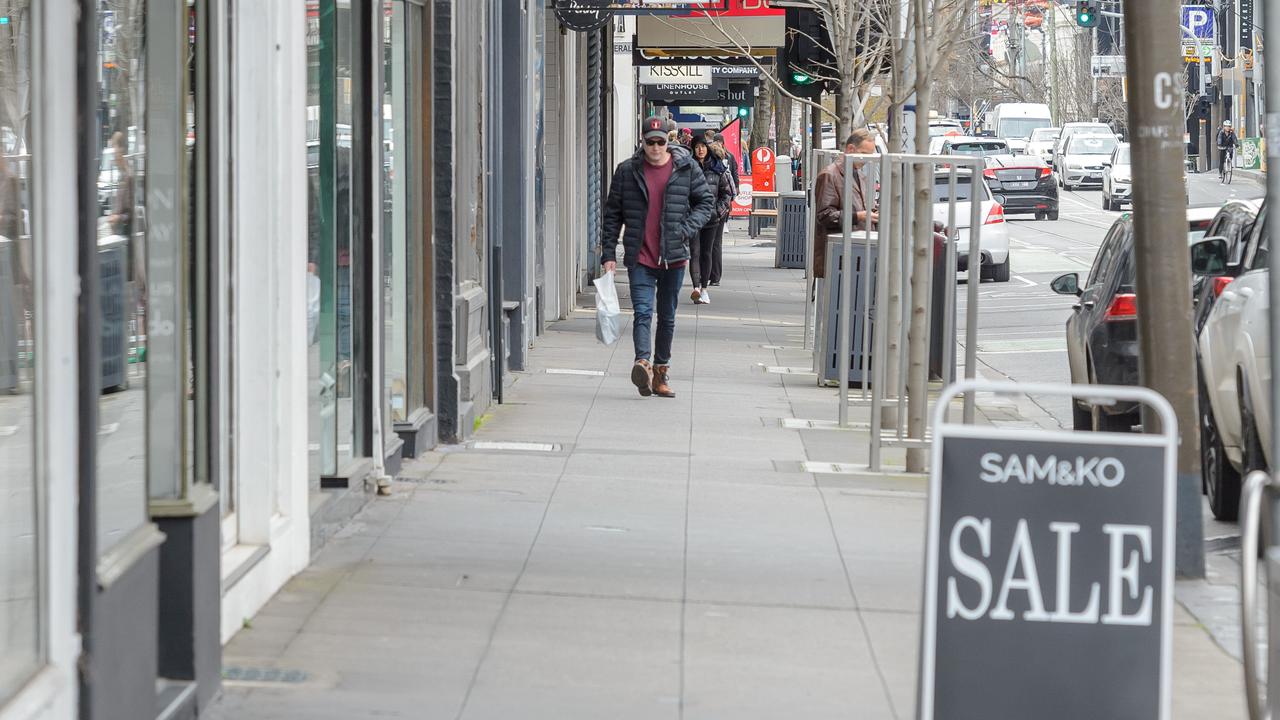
(608, 312)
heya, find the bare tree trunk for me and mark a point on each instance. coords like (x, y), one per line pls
(761, 120)
(892, 253)
(785, 121)
(922, 247)
(845, 99)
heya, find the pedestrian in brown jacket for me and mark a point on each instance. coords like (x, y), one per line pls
(828, 193)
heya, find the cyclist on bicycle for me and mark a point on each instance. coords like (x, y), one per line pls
(1227, 143)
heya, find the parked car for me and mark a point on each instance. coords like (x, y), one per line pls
(1023, 184)
(1070, 129)
(973, 146)
(1041, 143)
(994, 241)
(1102, 332)
(1117, 179)
(1234, 223)
(1081, 160)
(1235, 372)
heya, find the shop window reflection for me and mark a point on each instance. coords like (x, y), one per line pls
(20, 646)
(122, 274)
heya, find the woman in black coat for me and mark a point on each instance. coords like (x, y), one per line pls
(703, 244)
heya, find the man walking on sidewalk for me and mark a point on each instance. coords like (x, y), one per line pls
(661, 196)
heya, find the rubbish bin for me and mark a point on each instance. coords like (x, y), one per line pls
(10, 316)
(793, 221)
(113, 294)
(863, 266)
(865, 270)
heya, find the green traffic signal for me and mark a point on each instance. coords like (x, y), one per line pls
(742, 112)
(1086, 14)
(800, 78)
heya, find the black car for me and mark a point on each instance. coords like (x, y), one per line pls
(1234, 224)
(1023, 184)
(1102, 333)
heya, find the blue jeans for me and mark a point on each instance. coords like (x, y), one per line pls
(647, 286)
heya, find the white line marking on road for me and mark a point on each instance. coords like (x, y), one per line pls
(514, 446)
(778, 370)
(8, 430)
(1024, 281)
(571, 371)
(1019, 352)
(801, 424)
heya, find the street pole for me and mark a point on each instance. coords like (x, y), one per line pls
(1160, 247)
(1271, 80)
(1053, 64)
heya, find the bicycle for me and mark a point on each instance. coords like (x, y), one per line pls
(1228, 167)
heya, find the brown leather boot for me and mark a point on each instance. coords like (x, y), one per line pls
(661, 384)
(642, 376)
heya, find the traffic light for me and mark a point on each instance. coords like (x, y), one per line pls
(1087, 14)
(807, 53)
(742, 112)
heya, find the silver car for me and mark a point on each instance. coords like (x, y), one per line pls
(1082, 158)
(1117, 179)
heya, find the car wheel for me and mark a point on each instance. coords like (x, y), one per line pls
(1000, 273)
(1041, 216)
(1053, 214)
(1081, 418)
(1221, 480)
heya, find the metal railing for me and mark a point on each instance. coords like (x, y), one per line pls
(897, 218)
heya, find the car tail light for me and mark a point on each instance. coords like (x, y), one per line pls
(1045, 172)
(989, 173)
(1220, 284)
(1124, 306)
(995, 215)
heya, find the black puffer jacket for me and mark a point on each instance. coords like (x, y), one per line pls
(720, 181)
(687, 206)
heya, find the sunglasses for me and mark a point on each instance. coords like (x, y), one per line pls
(655, 141)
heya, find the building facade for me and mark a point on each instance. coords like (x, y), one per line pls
(253, 258)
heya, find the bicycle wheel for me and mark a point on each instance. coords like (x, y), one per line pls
(1229, 170)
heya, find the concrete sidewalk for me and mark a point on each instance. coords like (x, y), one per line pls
(629, 557)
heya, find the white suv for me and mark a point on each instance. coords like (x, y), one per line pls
(1235, 364)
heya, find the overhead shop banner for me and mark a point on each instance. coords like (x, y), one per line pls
(746, 23)
(675, 75)
(721, 93)
(715, 57)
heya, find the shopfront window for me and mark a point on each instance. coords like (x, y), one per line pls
(395, 229)
(404, 233)
(122, 273)
(20, 616)
(329, 252)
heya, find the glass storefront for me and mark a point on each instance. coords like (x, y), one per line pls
(122, 273)
(329, 268)
(20, 615)
(404, 235)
